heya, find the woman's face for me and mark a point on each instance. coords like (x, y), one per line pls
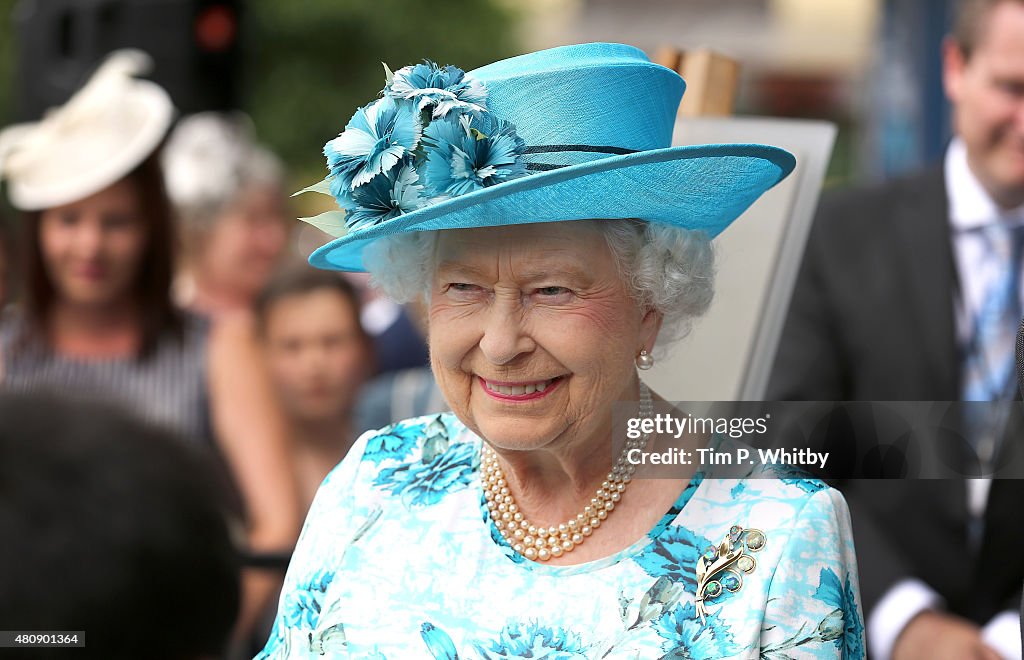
(316, 353)
(533, 335)
(244, 246)
(92, 248)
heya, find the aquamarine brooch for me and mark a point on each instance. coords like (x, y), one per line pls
(721, 569)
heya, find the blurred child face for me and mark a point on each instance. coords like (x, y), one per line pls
(316, 353)
(92, 248)
(244, 246)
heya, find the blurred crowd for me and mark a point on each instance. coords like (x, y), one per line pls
(157, 295)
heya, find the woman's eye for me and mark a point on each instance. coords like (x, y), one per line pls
(463, 290)
(1014, 88)
(551, 291)
(117, 221)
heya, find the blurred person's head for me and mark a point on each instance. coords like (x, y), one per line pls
(317, 350)
(983, 67)
(97, 221)
(228, 192)
(111, 527)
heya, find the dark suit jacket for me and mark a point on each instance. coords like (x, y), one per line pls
(872, 320)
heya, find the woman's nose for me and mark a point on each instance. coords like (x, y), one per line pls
(505, 336)
(89, 237)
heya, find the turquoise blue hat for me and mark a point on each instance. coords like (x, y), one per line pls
(576, 132)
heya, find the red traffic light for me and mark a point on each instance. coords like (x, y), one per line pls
(216, 27)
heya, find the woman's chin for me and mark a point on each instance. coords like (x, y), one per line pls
(91, 294)
(513, 434)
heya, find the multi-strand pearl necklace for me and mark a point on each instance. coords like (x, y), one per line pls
(543, 543)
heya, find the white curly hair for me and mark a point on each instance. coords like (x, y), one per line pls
(668, 269)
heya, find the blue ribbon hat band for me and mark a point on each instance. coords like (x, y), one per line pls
(569, 133)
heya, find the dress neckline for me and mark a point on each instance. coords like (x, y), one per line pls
(629, 552)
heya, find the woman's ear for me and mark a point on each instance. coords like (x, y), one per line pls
(650, 326)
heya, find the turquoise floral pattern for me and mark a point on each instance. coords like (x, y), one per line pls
(398, 560)
(674, 555)
(687, 638)
(841, 628)
(531, 639)
(441, 469)
(843, 625)
(304, 604)
(395, 442)
(517, 639)
(438, 642)
(805, 484)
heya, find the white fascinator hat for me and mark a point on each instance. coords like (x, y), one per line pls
(100, 135)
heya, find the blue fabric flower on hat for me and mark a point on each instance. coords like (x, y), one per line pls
(444, 88)
(386, 196)
(377, 137)
(428, 138)
(471, 153)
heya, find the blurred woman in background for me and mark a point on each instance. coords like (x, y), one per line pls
(229, 196)
(319, 356)
(97, 317)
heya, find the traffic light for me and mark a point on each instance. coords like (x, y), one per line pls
(194, 44)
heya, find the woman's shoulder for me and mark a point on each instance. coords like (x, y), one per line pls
(415, 439)
(777, 497)
(413, 464)
(756, 474)
(410, 459)
(784, 486)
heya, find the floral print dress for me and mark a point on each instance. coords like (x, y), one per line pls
(399, 559)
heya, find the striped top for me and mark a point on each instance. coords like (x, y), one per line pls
(167, 389)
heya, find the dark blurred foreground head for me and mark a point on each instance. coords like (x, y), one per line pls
(111, 527)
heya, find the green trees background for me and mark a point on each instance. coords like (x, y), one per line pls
(311, 63)
(6, 62)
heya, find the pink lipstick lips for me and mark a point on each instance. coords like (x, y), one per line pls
(521, 391)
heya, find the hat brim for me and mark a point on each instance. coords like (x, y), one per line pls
(112, 161)
(703, 187)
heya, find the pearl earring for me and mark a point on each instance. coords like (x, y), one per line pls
(644, 361)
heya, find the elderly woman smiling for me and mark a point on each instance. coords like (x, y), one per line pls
(512, 527)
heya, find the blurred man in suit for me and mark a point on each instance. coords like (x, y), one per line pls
(910, 291)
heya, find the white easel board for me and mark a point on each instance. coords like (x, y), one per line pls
(729, 353)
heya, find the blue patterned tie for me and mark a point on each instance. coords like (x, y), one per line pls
(989, 373)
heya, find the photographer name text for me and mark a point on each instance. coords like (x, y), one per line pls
(706, 456)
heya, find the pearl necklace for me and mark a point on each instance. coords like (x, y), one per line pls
(543, 543)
